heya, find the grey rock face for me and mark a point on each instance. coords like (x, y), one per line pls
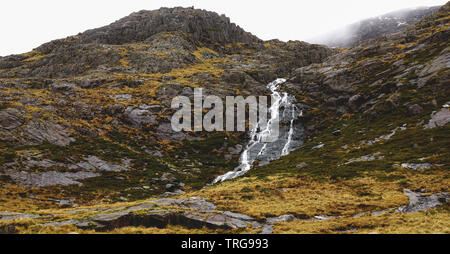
(439, 119)
(122, 97)
(188, 212)
(413, 166)
(48, 178)
(10, 119)
(266, 229)
(235, 150)
(138, 117)
(39, 131)
(419, 202)
(203, 25)
(99, 164)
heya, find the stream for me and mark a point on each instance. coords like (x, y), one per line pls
(283, 112)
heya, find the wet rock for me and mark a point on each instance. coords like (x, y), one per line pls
(234, 77)
(122, 97)
(38, 132)
(235, 150)
(19, 217)
(266, 229)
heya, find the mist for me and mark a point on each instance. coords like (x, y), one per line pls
(373, 27)
(27, 24)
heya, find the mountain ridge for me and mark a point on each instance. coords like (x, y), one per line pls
(375, 27)
(374, 156)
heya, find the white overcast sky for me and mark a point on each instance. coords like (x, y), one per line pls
(26, 24)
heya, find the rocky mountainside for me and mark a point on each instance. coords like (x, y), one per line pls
(204, 26)
(87, 118)
(375, 27)
(85, 126)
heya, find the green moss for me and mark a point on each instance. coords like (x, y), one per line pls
(405, 146)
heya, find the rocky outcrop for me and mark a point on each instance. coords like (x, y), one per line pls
(138, 117)
(204, 26)
(50, 178)
(191, 212)
(420, 202)
(439, 118)
(371, 79)
(11, 118)
(17, 129)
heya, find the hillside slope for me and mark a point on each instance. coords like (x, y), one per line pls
(86, 119)
(375, 159)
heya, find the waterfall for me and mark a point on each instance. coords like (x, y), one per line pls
(286, 139)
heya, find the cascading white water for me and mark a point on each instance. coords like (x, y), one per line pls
(257, 148)
(285, 150)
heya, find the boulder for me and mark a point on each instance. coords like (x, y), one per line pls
(11, 118)
(439, 118)
(415, 109)
(138, 117)
(190, 212)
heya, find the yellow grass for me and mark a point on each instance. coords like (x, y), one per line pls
(304, 197)
(431, 222)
